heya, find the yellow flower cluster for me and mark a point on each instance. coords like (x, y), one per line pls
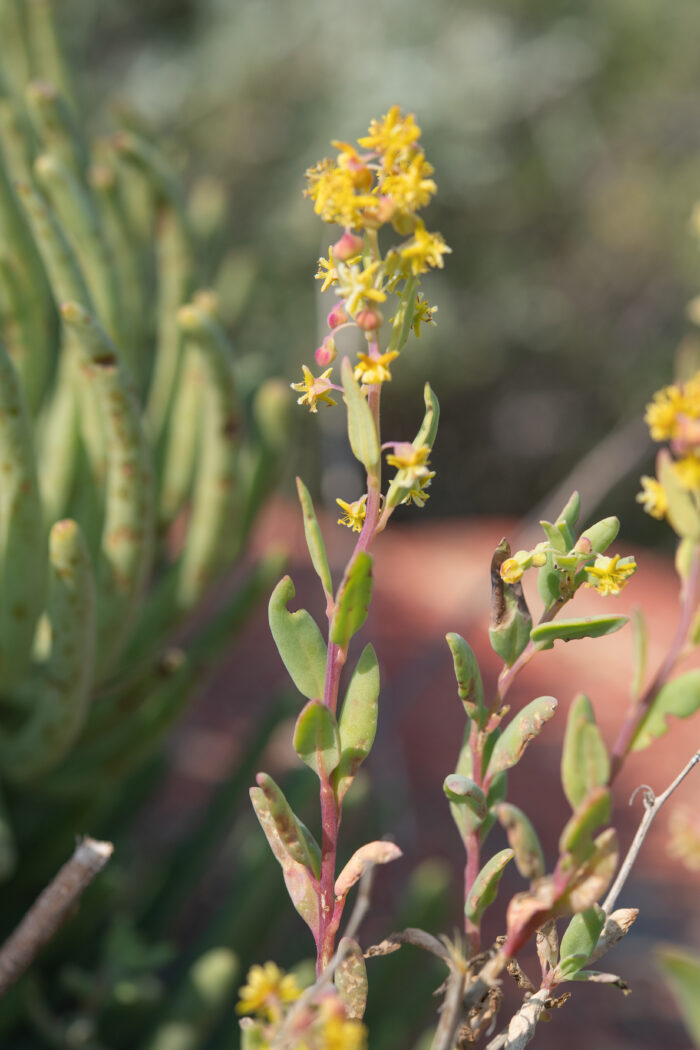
(674, 415)
(672, 408)
(267, 990)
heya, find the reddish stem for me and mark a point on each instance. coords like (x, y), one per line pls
(638, 710)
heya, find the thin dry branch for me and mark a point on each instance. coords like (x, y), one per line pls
(51, 909)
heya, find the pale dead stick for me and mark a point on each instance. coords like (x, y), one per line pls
(51, 908)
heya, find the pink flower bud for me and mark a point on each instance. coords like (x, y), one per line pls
(337, 316)
(325, 354)
(368, 320)
(347, 246)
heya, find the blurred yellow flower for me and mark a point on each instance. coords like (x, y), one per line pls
(412, 460)
(371, 370)
(313, 389)
(653, 497)
(353, 513)
(357, 286)
(266, 990)
(327, 271)
(608, 576)
(687, 470)
(392, 136)
(425, 250)
(410, 188)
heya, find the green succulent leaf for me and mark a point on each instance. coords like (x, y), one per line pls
(483, 892)
(357, 725)
(580, 940)
(314, 538)
(428, 430)
(464, 792)
(591, 877)
(510, 622)
(299, 642)
(679, 698)
(350, 979)
(549, 582)
(353, 601)
(566, 520)
(585, 764)
(469, 684)
(682, 971)
(639, 634)
(316, 738)
(523, 728)
(544, 635)
(576, 838)
(602, 534)
(523, 840)
(362, 432)
(555, 537)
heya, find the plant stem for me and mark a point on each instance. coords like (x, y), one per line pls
(638, 710)
(509, 674)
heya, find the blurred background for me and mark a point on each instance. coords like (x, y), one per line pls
(566, 143)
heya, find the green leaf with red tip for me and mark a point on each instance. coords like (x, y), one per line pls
(362, 432)
(523, 728)
(602, 534)
(523, 840)
(679, 698)
(353, 601)
(544, 635)
(483, 892)
(585, 764)
(510, 621)
(351, 979)
(469, 684)
(299, 642)
(462, 791)
(316, 739)
(357, 725)
(314, 538)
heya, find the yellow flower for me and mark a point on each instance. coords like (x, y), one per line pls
(327, 271)
(687, 470)
(417, 494)
(425, 250)
(423, 314)
(339, 1034)
(333, 190)
(268, 988)
(353, 513)
(410, 188)
(374, 369)
(662, 413)
(314, 390)
(412, 460)
(653, 497)
(684, 843)
(392, 136)
(357, 286)
(511, 571)
(608, 576)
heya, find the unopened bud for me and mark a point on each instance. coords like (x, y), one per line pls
(336, 317)
(347, 246)
(583, 545)
(368, 320)
(325, 354)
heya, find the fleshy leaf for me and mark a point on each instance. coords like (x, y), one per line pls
(464, 792)
(296, 838)
(316, 739)
(299, 642)
(680, 698)
(549, 582)
(354, 597)
(576, 838)
(519, 732)
(585, 764)
(510, 621)
(370, 853)
(555, 537)
(523, 840)
(682, 511)
(592, 877)
(314, 538)
(483, 892)
(639, 633)
(361, 429)
(566, 521)
(428, 430)
(544, 635)
(579, 940)
(351, 979)
(357, 725)
(602, 534)
(682, 971)
(469, 684)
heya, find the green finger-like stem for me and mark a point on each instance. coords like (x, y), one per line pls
(128, 534)
(22, 536)
(47, 57)
(16, 139)
(79, 219)
(15, 65)
(65, 277)
(58, 442)
(182, 446)
(209, 549)
(55, 124)
(59, 690)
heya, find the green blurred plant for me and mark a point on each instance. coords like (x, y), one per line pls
(136, 453)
